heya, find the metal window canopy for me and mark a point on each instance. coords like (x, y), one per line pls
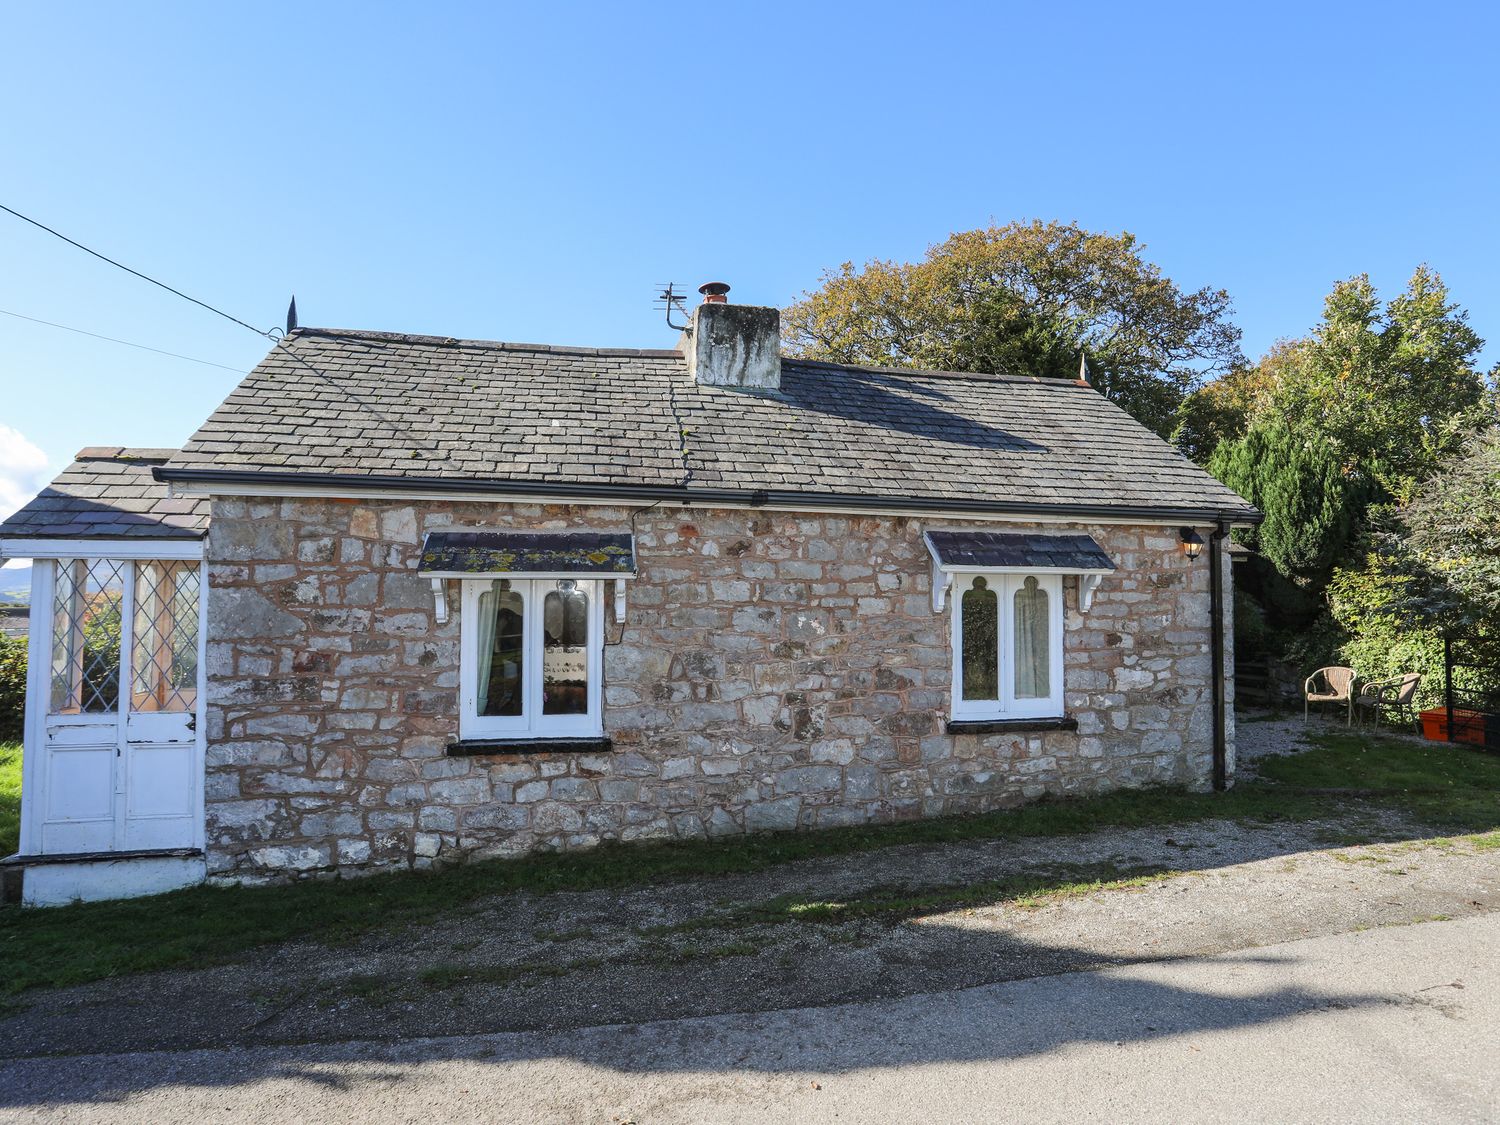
(527, 554)
(994, 552)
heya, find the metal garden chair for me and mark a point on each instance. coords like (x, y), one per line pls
(1396, 694)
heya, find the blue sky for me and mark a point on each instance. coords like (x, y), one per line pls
(532, 172)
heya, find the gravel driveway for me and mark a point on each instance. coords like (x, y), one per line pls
(980, 912)
(1391, 1024)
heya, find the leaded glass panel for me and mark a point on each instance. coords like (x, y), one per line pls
(87, 603)
(164, 646)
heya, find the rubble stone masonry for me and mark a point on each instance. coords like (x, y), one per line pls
(775, 671)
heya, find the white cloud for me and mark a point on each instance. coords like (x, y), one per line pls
(23, 470)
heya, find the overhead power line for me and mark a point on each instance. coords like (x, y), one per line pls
(120, 265)
(275, 335)
(112, 340)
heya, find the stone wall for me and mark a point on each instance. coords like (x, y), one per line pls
(776, 671)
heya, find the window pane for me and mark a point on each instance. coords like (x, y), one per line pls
(980, 620)
(86, 608)
(1033, 667)
(500, 650)
(565, 661)
(164, 646)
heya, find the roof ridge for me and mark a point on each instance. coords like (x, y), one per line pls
(424, 340)
(490, 345)
(922, 372)
(125, 453)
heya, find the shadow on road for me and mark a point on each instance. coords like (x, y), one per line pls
(1032, 1017)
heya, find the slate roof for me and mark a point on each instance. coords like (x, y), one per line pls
(966, 549)
(440, 412)
(109, 493)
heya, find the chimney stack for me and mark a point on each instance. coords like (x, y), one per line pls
(733, 345)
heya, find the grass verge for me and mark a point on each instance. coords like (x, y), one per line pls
(1454, 790)
(10, 797)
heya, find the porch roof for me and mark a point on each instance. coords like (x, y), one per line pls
(108, 492)
(474, 554)
(991, 550)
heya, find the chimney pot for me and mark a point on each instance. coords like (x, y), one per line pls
(715, 293)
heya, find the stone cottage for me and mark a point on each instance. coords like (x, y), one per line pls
(407, 599)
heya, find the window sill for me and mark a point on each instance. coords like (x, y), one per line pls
(474, 747)
(1010, 726)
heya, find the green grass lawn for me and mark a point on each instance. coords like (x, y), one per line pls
(10, 797)
(1443, 785)
(1452, 790)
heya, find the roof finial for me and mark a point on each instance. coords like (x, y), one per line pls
(291, 315)
(1083, 368)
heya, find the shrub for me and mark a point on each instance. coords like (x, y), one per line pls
(1311, 507)
(12, 687)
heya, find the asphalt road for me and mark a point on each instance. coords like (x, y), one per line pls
(1395, 1024)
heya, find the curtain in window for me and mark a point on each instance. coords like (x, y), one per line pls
(487, 606)
(1033, 668)
(506, 676)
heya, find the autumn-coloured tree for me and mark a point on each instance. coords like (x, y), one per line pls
(1226, 407)
(1030, 299)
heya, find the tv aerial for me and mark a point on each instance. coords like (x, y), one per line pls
(668, 300)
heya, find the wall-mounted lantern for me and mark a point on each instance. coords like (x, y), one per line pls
(1192, 543)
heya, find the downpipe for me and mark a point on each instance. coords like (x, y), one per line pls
(1216, 610)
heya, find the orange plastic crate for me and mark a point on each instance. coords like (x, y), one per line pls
(1470, 725)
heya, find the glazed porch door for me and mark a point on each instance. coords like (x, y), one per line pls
(120, 766)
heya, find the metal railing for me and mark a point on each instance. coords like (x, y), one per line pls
(1471, 696)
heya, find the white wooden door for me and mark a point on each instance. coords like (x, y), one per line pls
(120, 764)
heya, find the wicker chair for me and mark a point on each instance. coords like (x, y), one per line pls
(1397, 694)
(1330, 685)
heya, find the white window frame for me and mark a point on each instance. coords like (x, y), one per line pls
(531, 723)
(1008, 706)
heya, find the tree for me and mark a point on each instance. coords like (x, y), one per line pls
(1226, 407)
(1453, 526)
(1322, 434)
(1026, 298)
(1311, 508)
(1438, 563)
(1392, 391)
(1433, 568)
